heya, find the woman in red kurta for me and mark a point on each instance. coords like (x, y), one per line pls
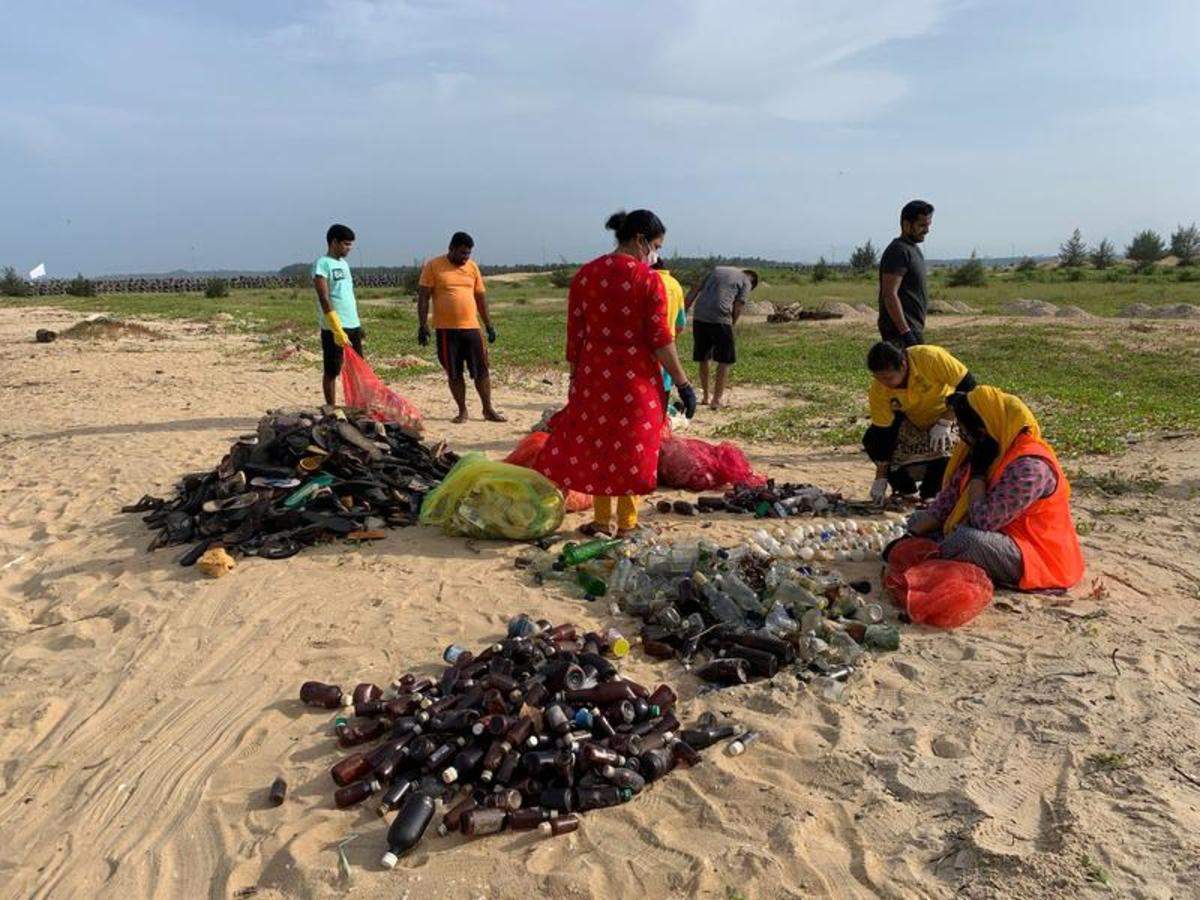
(605, 440)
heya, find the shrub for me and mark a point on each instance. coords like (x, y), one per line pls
(81, 287)
(1104, 254)
(1185, 244)
(1073, 253)
(12, 285)
(864, 258)
(969, 274)
(561, 278)
(821, 271)
(1075, 275)
(1146, 249)
(1027, 266)
(215, 288)
(1187, 274)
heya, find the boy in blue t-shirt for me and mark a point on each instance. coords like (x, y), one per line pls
(337, 310)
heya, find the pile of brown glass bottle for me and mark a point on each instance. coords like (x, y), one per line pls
(300, 479)
(525, 734)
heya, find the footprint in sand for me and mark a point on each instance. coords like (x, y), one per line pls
(948, 747)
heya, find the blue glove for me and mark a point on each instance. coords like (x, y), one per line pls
(423, 336)
(491, 333)
(687, 394)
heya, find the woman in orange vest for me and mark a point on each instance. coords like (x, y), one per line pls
(1005, 502)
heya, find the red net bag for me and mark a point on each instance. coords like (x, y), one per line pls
(903, 555)
(526, 454)
(527, 449)
(364, 390)
(946, 593)
(696, 465)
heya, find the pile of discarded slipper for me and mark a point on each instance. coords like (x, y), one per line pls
(303, 478)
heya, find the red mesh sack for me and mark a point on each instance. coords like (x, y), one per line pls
(904, 554)
(696, 465)
(364, 389)
(526, 454)
(527, 449)
(946, 593)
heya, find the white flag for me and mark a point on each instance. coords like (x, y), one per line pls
(38, 271)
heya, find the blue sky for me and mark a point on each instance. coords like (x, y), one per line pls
(147, 136)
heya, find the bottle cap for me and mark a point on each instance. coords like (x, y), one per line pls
(389, 860)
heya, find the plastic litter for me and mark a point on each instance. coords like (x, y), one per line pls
(902, 556)
(365, 390)
(480, 498)
(526, 454)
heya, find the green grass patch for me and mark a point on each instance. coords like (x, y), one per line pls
(1115, 484)
(1091, 386)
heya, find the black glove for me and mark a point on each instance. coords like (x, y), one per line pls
(491, 333)
(983, 454)
(687, 394)
(910, 338)
(423, 336)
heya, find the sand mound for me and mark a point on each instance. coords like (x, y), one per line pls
(759, 308)
(841, 309)
(1172, 311)
(1026, 307)
(108, 330)
(1073, 312)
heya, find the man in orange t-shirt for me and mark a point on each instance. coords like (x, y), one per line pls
(454, 286)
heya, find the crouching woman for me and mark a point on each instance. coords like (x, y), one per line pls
(1005, 502)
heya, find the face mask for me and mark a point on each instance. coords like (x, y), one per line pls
(652, 258)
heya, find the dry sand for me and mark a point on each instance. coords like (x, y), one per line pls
(146, 710)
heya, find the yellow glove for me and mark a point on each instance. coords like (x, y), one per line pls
(335, 325)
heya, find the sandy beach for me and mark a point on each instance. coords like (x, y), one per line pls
(146, 709)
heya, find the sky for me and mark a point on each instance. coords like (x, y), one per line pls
(152, 136)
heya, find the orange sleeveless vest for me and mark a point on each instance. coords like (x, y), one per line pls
(1045, 532)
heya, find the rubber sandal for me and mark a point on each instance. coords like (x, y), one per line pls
(194, 553)
(146, 504)
(591, 529)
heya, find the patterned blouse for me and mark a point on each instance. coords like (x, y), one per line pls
(1026, 480)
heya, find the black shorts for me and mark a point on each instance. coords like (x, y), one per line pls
(457, 347)
(331, 353)
(713, 341)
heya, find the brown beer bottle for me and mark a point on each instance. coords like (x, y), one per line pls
(350, 769)
(327, 696)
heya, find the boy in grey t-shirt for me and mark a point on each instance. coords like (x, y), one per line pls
(715, 305)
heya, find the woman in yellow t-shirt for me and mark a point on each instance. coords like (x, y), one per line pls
(912, 433)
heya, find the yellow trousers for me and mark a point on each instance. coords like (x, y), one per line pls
(627, 516)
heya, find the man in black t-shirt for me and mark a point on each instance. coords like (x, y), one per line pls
(902, 295)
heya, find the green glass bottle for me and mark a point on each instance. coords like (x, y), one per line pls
(574, 554)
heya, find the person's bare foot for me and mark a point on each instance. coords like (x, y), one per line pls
(704, 401)
(492, 416)
(460, 418)
(717, 404)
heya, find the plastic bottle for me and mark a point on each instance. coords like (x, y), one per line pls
(740, 592)
(350, 769)
(882, 637)
(738, 745)
(618, 644)
(327, 696)
(395, 795)
(353, 794)
(601, 795)
(622, 777)
(728, 671)
(408, 827)
(559, 825)
(706, 735)
(528, 817)
(480, 822)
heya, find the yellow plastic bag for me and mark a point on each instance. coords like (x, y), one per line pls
(483, 499)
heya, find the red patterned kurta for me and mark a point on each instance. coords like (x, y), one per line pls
(605, 441)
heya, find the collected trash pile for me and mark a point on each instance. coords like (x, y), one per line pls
(764, 500)
(798, 312)
(481, 498)
(523, 735)
(302, 478)
(749, 609)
